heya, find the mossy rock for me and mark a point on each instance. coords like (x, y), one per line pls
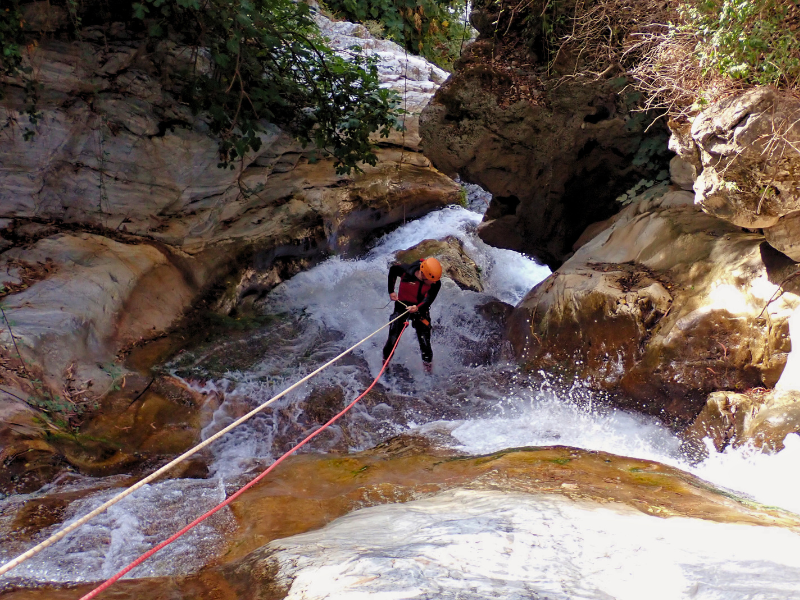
(456, 264)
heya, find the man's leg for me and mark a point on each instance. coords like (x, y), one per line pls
(422, 325)
(394, 332)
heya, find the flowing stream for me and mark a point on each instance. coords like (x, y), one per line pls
(486, 544)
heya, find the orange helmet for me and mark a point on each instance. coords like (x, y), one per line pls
(431, 269)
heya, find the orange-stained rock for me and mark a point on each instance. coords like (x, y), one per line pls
(309, 491)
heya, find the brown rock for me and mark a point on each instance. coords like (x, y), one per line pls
(760, 417)
(664, 306)
(554, 164)
(455, 263)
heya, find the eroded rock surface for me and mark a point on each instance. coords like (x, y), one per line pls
(310, 491)
(666, 305)
(115, 218)
(746, 150)
(554, 153)
(761, 417)
(114, 149)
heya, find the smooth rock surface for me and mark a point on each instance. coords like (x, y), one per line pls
(101, 296)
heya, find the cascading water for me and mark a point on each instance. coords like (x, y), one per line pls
(475, 401)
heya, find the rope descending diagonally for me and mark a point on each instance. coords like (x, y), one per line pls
(109, 582)
(109, 503)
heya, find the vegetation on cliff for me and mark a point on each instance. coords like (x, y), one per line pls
(435, 29)
(249, 61)
(682, 53)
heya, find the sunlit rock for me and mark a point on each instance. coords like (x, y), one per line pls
(748, 150)
(665, 305)
(785, 235)
(759, 417)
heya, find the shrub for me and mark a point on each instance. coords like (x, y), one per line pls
(434, 29)
(752, 40)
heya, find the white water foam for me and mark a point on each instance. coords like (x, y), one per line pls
(333, 306)
(544, 417)
(113, 539)
(471, 545)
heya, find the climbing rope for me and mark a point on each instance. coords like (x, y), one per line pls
(106, 505)
(109, 582)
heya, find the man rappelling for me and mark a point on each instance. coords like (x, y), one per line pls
(419, 285)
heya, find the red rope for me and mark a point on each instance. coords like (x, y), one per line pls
(109, 582)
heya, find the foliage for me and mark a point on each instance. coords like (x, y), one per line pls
(434, 29)
(268, 62)
(753, 40)
(252, 61)
(11, 38)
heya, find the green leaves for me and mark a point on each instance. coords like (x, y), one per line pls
(432, 28)
(751, 40)
(270, 64)
(11, 38)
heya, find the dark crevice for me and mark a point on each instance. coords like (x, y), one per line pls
(600, 114)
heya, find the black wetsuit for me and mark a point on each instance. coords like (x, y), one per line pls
(412, 291)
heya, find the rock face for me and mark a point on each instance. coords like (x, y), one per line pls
(762, 418)
(115, 150)
(665, 306)
(115, 219)
(746, 151)
(98, 295)
(555, 157)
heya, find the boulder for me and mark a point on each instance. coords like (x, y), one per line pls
(456, 264)
(682, 173)
(664, 306)
(748, 160)
(555, 157)
(760, 417)
(784, 235)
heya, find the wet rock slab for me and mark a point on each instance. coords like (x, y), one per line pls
(310, 491)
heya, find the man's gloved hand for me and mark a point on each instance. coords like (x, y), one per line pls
(393, 297)
(413, 308)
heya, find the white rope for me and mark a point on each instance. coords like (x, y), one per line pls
(106, 505)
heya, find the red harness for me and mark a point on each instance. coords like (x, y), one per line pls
(412, 292)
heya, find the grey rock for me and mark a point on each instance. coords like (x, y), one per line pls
(748, 147)
(682, 173)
